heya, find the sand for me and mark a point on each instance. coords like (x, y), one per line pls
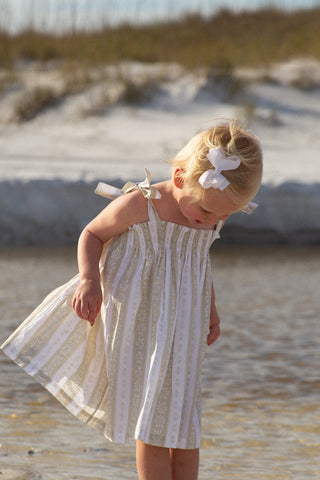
(49, 165)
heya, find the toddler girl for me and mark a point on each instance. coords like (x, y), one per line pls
(145, 287)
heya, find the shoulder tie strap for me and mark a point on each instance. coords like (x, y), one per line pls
(147, 190)
(249, 208)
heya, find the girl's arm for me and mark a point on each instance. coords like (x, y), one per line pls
(214, 326)
(88, 296)
(111, 222)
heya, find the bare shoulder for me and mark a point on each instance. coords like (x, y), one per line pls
(119, 215)
(132, 204)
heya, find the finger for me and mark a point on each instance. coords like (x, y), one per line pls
(76, 304)
(98, 306)
(92, 312)
(82, 310)
(77, 307)
(91, 318)
(213, 335)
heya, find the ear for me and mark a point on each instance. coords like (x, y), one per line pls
(178, 177)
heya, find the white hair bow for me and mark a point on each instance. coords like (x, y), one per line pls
(213, 178)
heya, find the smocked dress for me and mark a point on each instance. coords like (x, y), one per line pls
(136, 373)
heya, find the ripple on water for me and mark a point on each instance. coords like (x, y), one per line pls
(260, 381)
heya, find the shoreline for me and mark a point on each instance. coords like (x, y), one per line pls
(54, 212)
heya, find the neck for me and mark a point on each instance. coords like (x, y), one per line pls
(167, 206)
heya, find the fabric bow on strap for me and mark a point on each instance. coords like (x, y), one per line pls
(147, 190)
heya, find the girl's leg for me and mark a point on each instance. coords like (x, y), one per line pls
(185, 464)
(153, 463)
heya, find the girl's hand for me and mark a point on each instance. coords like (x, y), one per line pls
(214, 327)
(87, 300)
(214, 334)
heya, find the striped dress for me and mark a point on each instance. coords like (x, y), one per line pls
(136, 373)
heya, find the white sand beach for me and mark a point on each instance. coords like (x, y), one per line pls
(49, 165)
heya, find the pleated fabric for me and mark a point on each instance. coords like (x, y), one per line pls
(136, 373)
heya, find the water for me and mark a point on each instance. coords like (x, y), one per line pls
(261, 404)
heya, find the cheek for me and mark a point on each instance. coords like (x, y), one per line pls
(197, 213)
(187, 208)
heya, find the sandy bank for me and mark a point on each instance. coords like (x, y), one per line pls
(50, 165)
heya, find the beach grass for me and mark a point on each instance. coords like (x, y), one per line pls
(226, 39)
(216, 45)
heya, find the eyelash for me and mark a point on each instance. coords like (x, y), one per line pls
(205, 211)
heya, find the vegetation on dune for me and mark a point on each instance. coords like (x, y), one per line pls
(238, 39)
(217, 45)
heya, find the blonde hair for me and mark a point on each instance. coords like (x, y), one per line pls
(233, 140)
